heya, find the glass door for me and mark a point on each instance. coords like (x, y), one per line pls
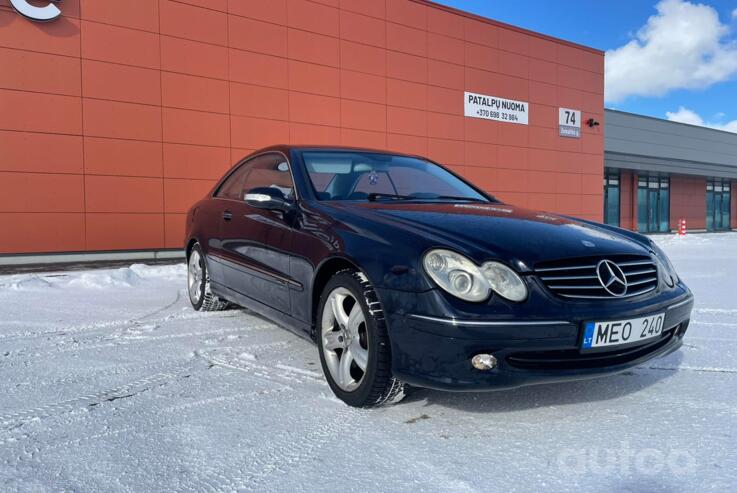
(710, 205)
(642, 209)
(718, 204)
(726, 206)
(611, 197)
(664, 206)
(653, 216)
(653, 204)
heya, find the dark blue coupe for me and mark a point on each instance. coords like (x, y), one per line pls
(404, 273)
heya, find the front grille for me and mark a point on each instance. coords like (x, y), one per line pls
(573, 359)
(577, 278)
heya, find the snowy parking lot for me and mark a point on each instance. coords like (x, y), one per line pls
(109, 381)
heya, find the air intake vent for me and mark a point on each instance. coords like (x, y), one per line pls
(615, 276)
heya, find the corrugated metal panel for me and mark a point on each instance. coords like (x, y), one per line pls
(649, 144)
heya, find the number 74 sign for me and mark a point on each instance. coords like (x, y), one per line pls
(570, 122)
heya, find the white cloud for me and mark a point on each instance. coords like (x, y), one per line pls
(734, 14)
(685, 115)
(683, 46)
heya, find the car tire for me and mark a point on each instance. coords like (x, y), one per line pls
(354, 347)
(198, 284)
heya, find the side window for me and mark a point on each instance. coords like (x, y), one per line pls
(268, 170)
(271, 171)
(231, 188)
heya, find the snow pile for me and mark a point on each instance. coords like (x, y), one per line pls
(165, 272)
(97, 280)
(22, 283)
(125, 277)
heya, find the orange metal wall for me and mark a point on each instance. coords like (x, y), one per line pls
(117, 116)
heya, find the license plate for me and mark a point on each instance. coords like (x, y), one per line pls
(621, 332)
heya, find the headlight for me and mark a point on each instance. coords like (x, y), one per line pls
(669, 274)
(456, 274)
(460, 277)
(504, 281)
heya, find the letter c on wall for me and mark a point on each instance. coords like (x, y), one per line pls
(43, 14)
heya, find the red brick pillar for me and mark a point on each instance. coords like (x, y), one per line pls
(628, 200)
(688, 201)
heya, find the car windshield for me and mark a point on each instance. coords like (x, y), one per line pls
(346, 175)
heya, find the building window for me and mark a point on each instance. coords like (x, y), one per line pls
(611, 197)
(653, 204)
(718, 204)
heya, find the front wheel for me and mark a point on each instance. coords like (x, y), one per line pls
(354, 344)
(198, 284)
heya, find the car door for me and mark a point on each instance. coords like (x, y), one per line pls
(251, 265)
(219, 210)
(304, 244)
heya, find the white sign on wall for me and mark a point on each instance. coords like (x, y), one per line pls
(494, 108)
(49, 12)
(569, 122)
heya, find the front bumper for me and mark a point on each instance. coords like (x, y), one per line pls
(435, 350)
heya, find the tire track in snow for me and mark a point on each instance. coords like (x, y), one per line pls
(226, 358)
(125, 323)
(699, 369)
(96, 374)
(16, 420)
(720, 311)
(284, 451)
(45, 447)
(715, 324)
(79, 441)
(93, 327)
(115, 340)
(239, 397)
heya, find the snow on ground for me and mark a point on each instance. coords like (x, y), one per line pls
(109, 381)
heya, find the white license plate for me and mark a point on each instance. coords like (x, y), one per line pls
(619, 332)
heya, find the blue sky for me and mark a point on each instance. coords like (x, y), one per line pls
(669, 58)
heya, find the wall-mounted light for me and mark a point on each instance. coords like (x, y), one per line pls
(592, 123)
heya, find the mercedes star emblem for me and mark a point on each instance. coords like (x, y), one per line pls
(612, 278)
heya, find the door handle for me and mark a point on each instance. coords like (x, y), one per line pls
(227, 215)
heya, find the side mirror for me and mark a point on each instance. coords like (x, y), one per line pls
(267, 198)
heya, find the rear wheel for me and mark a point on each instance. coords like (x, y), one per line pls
(198, 284)
(354, 344)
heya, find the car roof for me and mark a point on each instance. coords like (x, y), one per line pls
(286, 148)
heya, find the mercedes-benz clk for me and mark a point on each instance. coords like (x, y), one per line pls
(404, 273)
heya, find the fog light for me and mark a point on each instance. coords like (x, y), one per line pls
(483, 361)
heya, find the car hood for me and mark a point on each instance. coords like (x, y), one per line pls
(499, 230)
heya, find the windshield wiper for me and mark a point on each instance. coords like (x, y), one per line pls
(374, 195)
(455, 197)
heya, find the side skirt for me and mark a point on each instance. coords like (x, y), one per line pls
(297, 327)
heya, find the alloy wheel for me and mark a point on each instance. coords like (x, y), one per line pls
(194, 277)
(344, 339)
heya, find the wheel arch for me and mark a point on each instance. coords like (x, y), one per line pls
(188, 249)
(323, 273)
(384, 387)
